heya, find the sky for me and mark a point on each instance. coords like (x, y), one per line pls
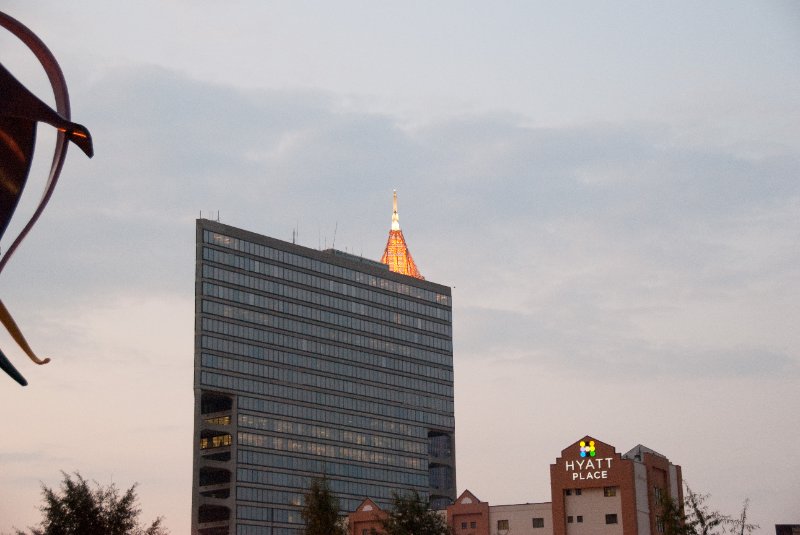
(610, 188)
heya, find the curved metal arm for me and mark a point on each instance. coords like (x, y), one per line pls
(59, 85)
(24, 105)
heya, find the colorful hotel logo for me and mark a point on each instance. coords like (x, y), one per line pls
(589, 466)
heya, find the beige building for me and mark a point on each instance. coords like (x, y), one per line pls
(519, 519)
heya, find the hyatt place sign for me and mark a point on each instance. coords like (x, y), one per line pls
(588, 466)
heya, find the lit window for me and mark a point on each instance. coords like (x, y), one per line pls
(609, 491)
(611, 519)
(580, 518)
(215, 442)
(538, 522)
(219, 420)
(502, 525)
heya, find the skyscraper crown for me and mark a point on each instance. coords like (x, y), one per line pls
(396, 255)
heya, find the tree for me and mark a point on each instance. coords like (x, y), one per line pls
(411, 515)
(321, 510)
(671, 515)
(697, 518)
(700, 519)
(739, 526)
(81, 510)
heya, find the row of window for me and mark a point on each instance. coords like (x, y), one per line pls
(304, 328)
(218, 420)
(330, 433)
(268, 514)
(502, 525)
(277, 497)
(301, 483)
(296, 377)
(340, 321)
(296, 341)
(331, 416)
(283, 392)
(318, 331)
(332, 469)
(610, 519)
(324, 300)
(608, 492)
(281, 271)
(359, 371)
(215, 442)
(285, 257)
(538, 522)
(331, 451)
(249, 529)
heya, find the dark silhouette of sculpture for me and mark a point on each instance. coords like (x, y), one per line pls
(20, 112)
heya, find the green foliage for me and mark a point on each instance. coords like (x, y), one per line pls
(412, 515)
(81, 510)
(697, 518)
(700, 518)
(321, 510)
(671, 515)
(739, 526)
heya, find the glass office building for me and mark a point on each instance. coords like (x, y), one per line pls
(311, 363)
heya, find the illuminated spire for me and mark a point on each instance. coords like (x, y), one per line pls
(396, 255)
(395, 217)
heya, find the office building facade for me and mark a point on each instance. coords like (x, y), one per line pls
(312, 363)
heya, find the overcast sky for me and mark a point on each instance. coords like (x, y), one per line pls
(611, 189)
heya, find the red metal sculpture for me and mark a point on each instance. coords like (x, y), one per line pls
(20, 111)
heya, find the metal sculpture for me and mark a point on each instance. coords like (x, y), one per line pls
(20, 111)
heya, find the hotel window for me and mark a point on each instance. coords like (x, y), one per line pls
(660, 525)
(608, 492)
(568, 492)
(569, 520)
(577, 492)
(538, 522)
(364, 532)
(580, 519)
(657, 492)
(611, 519)
(473, 525)
(463, 525)
(502, 525)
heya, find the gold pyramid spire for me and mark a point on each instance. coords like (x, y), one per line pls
(396, 255)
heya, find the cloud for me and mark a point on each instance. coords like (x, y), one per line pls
(621, 253)
(621, 241)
